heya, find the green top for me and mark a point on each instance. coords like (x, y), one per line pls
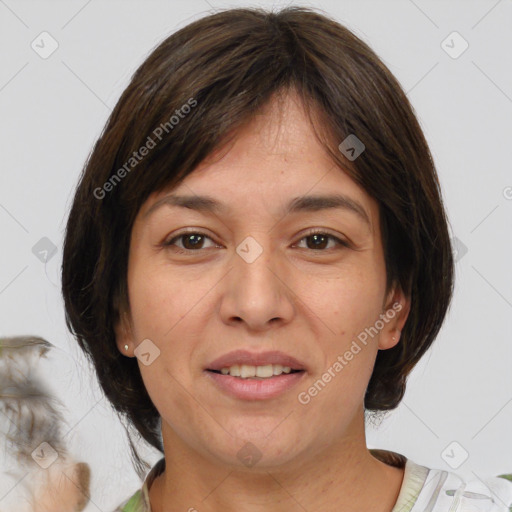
(134, 503)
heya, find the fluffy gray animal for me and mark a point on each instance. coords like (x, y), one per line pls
(42, 475)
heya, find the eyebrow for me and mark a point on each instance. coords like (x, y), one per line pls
(311, 203)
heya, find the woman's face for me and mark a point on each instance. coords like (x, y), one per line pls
(242, 271)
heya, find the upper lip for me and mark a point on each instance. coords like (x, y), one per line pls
(255, 359)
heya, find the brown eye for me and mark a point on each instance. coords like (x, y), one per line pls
(189, 241)
(319, 241)
(193, 241)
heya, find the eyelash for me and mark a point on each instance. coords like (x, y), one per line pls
(181, 250)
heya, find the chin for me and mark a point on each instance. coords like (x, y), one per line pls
(254, 445)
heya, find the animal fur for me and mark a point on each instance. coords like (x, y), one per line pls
(46, 477)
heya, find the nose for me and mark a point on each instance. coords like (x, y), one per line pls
(256, 293)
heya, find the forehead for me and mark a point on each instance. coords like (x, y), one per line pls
(273, 158)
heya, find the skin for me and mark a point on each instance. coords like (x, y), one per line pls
(310, 303)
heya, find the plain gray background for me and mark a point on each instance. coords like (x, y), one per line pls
(459, 398)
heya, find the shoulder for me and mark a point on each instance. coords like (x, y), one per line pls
(133, 504)
(435, 490)
(444, 491)
(139, 502)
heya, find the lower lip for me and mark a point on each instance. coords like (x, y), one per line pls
(256, 389)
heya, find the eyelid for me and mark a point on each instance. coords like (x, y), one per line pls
(323, 231)
(169, 242)
(313, 231)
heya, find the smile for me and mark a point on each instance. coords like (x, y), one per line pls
(254, 382)
(246, 371)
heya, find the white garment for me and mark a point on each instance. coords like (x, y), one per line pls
(435, 490)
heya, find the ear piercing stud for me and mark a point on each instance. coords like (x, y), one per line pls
(126, 347)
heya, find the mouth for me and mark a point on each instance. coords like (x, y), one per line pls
(255, 372)
(245, 364)
(250, 376)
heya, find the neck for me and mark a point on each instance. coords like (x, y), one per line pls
(342, 477)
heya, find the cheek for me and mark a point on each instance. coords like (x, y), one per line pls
(345, 310)
(168, 384)
(168, 309)
(347, 303)
(161, 300)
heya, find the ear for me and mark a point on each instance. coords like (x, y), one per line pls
(394, 315)
(123, 332)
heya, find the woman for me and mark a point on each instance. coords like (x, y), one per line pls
(258, 253)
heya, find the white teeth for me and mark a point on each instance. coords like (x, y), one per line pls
(234, 370)
(246, 371)
(264, 371)
(278, 369)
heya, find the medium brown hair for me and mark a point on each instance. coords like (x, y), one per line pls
(231, 64)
